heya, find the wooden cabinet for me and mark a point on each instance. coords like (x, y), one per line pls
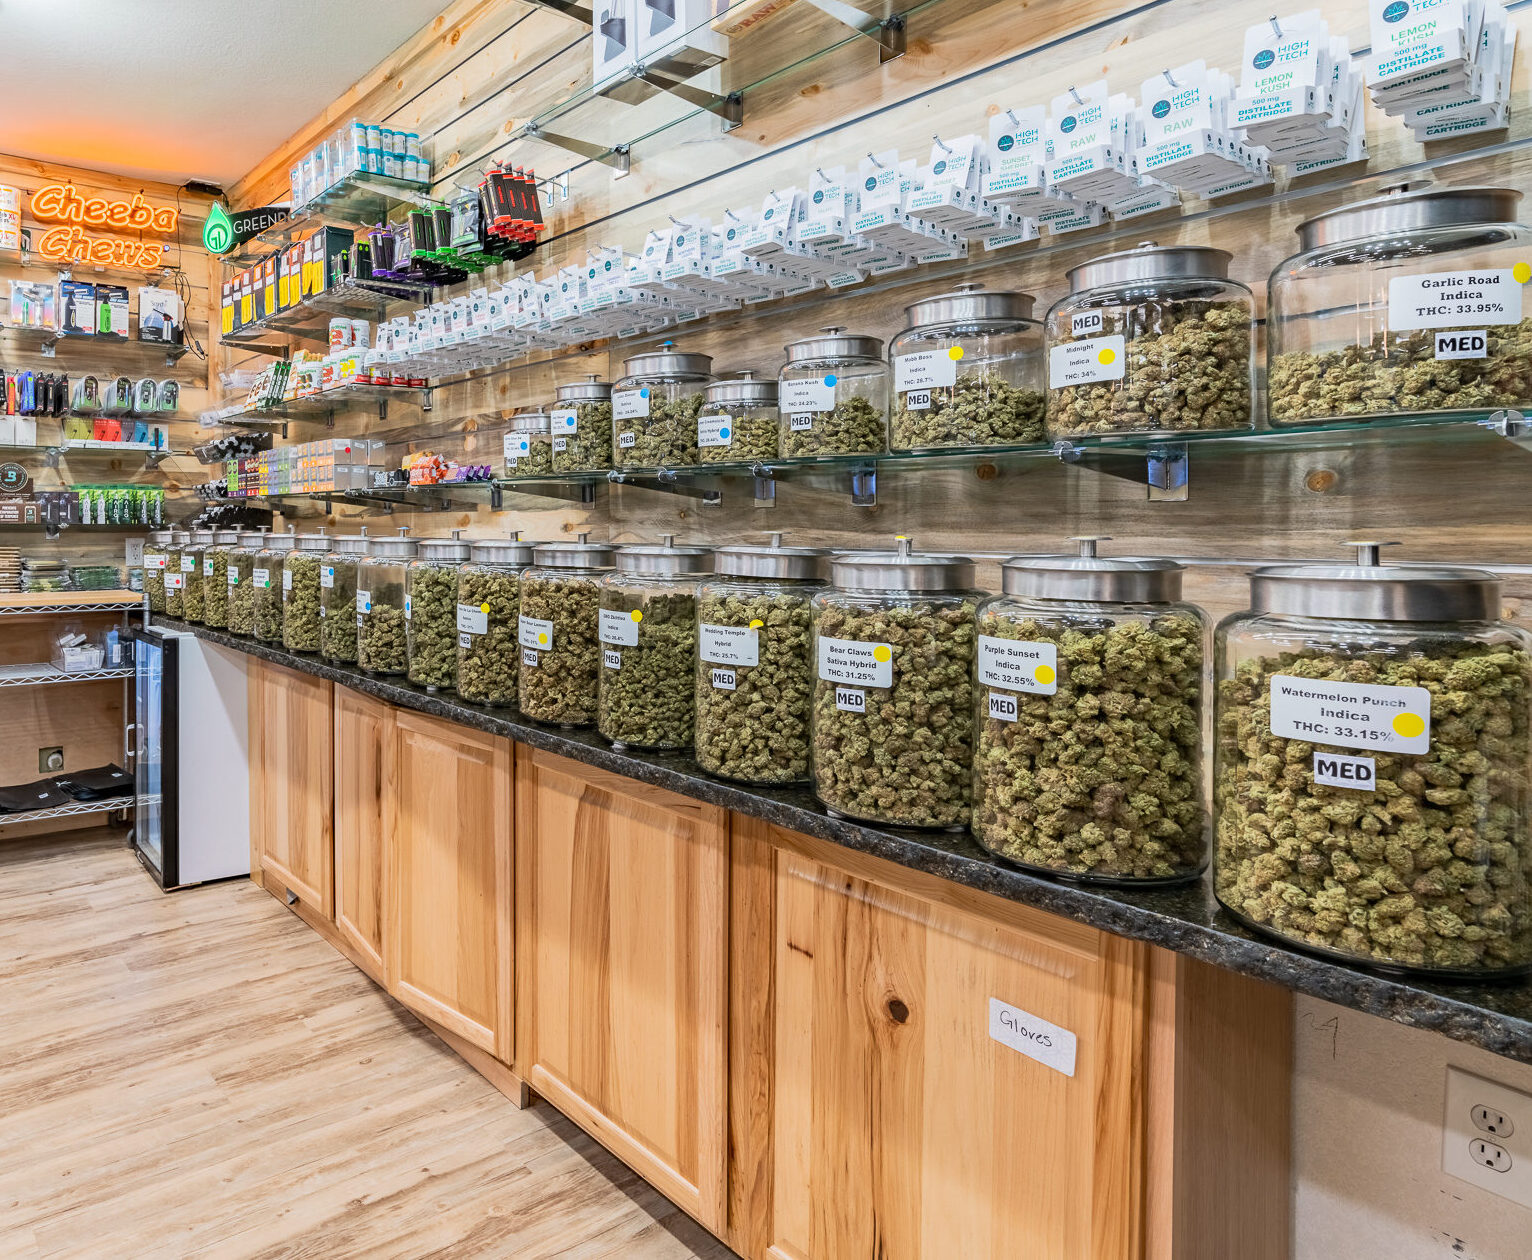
(447, 936)
(364, 784)
(622, 963)
(292, 784)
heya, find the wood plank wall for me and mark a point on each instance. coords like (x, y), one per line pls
(467, 81)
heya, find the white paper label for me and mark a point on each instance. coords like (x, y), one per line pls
(1338, 770)
(287, 579)
(327, 577)
(852, 661)
(188, 564)
(630, 404)
(560, 445)
(1086, 324)
(364, 601)
(174, 581)
(1079, 362)
(517, 445)
(472, 619)
(1002, 707)
(1352, 715)
(1447, 299)
(1017, 666)
(534, 633)
(800, 424)
(850, 700)
(715, 430)
(529, 657)
(1036, 1038)
(565, 420)
(723, 679)
(619, 627)
(811, 395)
(262, 578)
(153, 561)
(930, 369)
(627, 441)
(611, 659)
(233, 576)
(207, 567)
(1462, 345)
(917, 400)
(728, 645)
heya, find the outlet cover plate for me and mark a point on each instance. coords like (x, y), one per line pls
(1465, 1092)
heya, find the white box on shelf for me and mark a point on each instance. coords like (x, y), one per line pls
(674, 37)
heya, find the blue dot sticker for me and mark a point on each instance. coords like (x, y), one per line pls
(644, 393)
(723, 432)
(831, 379)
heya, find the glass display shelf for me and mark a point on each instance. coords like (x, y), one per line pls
(41, 675)
(310, 319)
(48, 341)
(359, 200)
(325, 403)
(75, 809)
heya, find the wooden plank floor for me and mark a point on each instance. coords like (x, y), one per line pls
(200, 1075)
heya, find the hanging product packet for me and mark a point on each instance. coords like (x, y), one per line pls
(1186, 139)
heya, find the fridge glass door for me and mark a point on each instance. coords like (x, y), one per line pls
(148, 770)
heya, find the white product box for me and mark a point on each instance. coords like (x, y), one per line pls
(675, 39)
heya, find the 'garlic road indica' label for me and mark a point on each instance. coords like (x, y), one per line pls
(1017, 666)
(619, 627)
(855, 663)
(728, 645)
(1351, 715)
(1080, 362)
(1453, 299)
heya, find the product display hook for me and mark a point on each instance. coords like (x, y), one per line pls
(875, 161)
(940, 143)
(1276, 27)
(1074, 92)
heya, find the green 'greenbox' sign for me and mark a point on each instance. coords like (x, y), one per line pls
(223, 232)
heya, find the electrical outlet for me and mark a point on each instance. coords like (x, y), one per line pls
(50, 760)
(1487, 1136)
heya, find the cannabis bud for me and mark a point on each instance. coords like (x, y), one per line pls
(560, 648)
(432, 625)
(646, 690)
(982, 409)
(665, 438)
(489, 606)
(852, 427)
(300, 599)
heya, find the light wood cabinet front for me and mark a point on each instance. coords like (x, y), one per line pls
(364, 785)
(448, 936)
(292, 783)
(622, 960)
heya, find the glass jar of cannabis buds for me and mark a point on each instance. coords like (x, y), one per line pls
(243, 561)
(156, 564)
(300, 591)
(193, 553)
(175, 578)
(267, 578)
(581, 423)
(430, 611)
(215, 578)
(488, 604)
(381, 639)
(832, 394)
(655, 407)
(558, 631)
(738, 421)
(337, 598)
(529, 444)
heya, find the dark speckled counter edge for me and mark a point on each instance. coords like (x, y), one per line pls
(1188, 920)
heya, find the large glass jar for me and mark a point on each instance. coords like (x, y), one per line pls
(755, 662)
(654, 409)
(1151, 340)
(1407, 302)
(558, 630)
(648, 627)
(300, 591)
(738, 421)
(529, 444)
(175, 577)
(267, 578)
(215, 578)
(430, 611)
(156, 565)
(1088, 720)
(968, 371)
(581, 422)
(488, 604)
(833, 396)
(193, 555)
(381, 640)
(893, 688)
(337, 598)
(243, 561)
(1371, 767)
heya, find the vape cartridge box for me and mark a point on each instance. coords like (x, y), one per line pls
(226, 308)
(269, 284)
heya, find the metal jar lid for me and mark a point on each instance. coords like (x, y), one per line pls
(279, 542)
(353, 544)
(179, 537)
(900, 570)
(452, 550)
(970, 304)
(313, 542)
(745, 389)
(666, 362)
(574, 555)
(835, 344)
(770, 560)
(399, 548)
(1404, 210)
(254, 539)
(664, 560)
(1369, 591)
(162, 537)
(203, 537)
(1092, 579)
(1150, 261)
(591, 390)
(225, 537)
(512, 550)
(533, 420)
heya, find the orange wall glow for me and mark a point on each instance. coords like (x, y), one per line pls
(62, 203)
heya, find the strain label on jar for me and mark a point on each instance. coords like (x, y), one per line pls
(233, 576)
(852, 661)
(611, 659)
(917, 400)
(627, 441)
(262, 578)
(529, 657)
(1338, 770)
(174, 581)
(1002, 707)
(1086, 324)
(715, 430)
(620, 627)
(153, 561)
(535, 634)
(1032, 1036)
(728, 645)
(851, 700)
(406, 607)
(1462, 345)
(364, 601)
(1353, 715)
(287, 579)
(1447, 299)
(929, 369)
(207, 567)
(630, 404)
(723, 679)
(472, 619)
(517, 446)
(565, 420)
(327, 577)
(811, 395)
(1080, 362)
(188, 564)
(1013, 665)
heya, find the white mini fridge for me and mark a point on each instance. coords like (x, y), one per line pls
(191, 736)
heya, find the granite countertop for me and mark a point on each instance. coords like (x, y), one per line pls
(1188, 920)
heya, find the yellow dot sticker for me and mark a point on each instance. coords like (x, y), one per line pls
(1108, 355)
(1521, 272)
(484, 607)
(636, 615)
(882, 653)
(1410, 725)
(757, 624)
(955, 353)
(543, 639)
(1044, 674)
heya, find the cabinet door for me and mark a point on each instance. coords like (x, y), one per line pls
(623, 969)
(364, 777)
(957, 1076)
(448, 888)
(292, 783)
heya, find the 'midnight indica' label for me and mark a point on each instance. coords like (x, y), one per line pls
(1352, 715)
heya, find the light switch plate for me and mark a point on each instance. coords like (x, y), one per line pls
(1487, 1136)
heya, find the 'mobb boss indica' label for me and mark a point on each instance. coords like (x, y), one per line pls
(853, 663)
(1352, 715)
